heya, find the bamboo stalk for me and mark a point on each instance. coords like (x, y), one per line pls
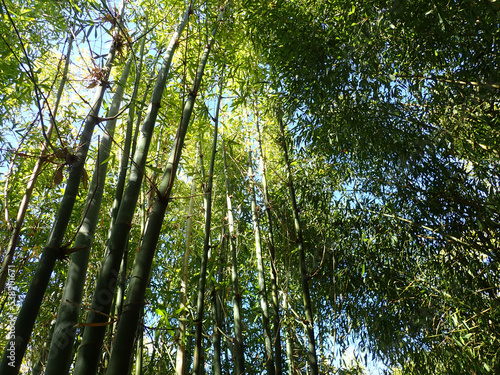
(89, 352)
(123, 344)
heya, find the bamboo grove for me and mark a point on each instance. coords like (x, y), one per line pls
(248, 187)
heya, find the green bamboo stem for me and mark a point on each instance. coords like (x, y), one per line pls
(198, 350)
(180, 363)
(139, 351)
(289, 343)
(124, 339)
(264, 306)
(61, 349)
(216, 297)
(304, 278)
(89, 352)
(272, 252)
(54, 249)
(239, 349)
(125, 152)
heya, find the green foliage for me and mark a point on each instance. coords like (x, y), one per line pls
(393, 110)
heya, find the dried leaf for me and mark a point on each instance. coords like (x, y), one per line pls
(58, 176)
(85, 179)
(92, 84)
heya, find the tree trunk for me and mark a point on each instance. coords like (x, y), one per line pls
(120, 293)
(272, 252)
(216, 293)
(289, 342)
(54, 248)
(260, 273)
(304, 278)
(124, 340)
(180, 363)
(61, 349)
(149, 81)
(198, 349)
(216, 296)
(139, 349)
(238, 348)
(126, 151)
(291, 364)
(89, 353)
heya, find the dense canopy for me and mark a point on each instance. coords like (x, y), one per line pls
(250, 187)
